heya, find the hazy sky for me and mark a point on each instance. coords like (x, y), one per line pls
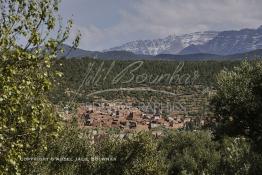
(108, 23)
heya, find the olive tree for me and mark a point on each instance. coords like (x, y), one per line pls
(31, 33)
(238, 102)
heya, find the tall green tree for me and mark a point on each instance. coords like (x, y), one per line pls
(30, 35)
(238, 102)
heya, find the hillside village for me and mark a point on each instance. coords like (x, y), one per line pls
(129, 118)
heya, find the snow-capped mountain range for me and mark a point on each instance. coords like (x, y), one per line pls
(221, 43)
(170, 45)
(230, 42)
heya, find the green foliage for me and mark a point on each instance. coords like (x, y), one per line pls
(238, 102)
(137, 155)
(72, 143)
(235, 156)
(26, 52)
(191, 153)
(176, 153)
